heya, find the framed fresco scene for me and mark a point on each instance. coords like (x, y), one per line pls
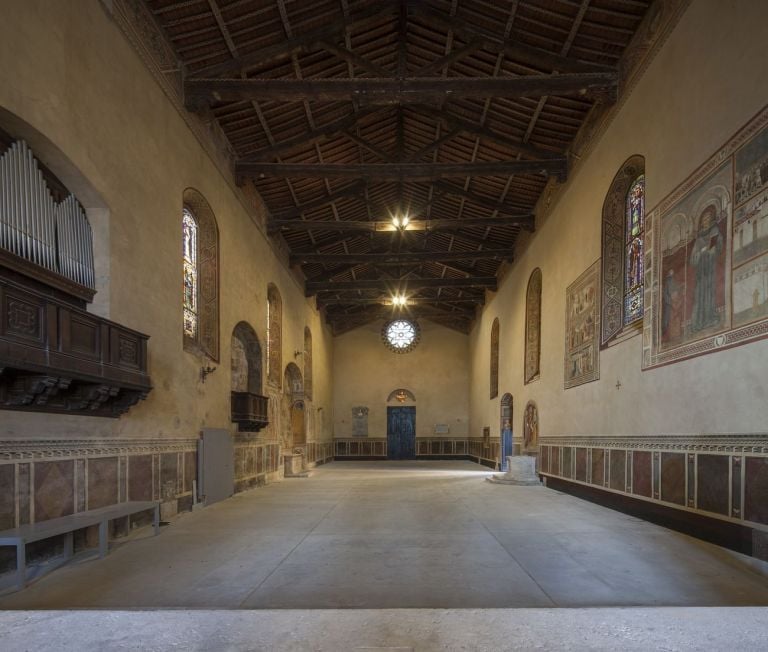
(582, 319)
(707, 255)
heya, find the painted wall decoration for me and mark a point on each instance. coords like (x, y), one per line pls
(533, 327)
(582, 320)
(494, 365)
(707, 255)
(530, 426)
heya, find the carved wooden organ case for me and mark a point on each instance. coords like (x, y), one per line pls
(55, 356)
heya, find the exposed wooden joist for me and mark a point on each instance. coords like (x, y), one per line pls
(514, 49)
(199, 92)
(401, 171)
(383, 225)
(505, 207)
(355, 190)
(309, 137)
(404, 257)
(410, 284)
(293, 45)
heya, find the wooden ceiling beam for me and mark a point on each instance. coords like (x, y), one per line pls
(401, 257)
(402, 285)
(401, 171)
(386, 301)
(371, 91)
(527, 220)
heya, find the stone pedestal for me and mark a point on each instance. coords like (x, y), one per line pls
(522, 471)
(293, 465)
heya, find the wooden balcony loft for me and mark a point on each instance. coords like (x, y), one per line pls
(250, 411)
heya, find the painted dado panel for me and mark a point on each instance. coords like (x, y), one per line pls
(724, 477)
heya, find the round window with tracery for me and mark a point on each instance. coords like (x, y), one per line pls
(401, 335)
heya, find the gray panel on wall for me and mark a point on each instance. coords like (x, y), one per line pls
(216, 477)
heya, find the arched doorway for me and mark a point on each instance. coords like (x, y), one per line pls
(505, 428)
(401, 425)
(294, 428)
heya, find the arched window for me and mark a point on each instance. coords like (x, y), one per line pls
(200, 256)
(274, 335)
(308, 363)
(189, 256)
(622, 249)
(495, 358)
(533, 327)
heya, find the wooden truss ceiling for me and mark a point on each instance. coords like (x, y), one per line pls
(344, 113)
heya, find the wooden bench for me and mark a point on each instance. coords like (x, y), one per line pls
(67, 525)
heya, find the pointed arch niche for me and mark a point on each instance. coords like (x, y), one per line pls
(533, 327)
(623, 228)
(200, 255)
(249, 407)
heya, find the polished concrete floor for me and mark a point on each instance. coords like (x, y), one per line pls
(403, 535)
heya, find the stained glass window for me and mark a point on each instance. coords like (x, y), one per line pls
(633, 257)
(189, 256)
(400, 335)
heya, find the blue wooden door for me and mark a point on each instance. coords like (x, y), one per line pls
(506, 447)
(401, 433)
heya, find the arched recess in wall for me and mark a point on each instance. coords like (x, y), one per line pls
(623, 227)
(246, 360)
(68, 238)
(401, 395)
(274, 335)
(494, 364)
(200, 248)
(294, 429)
(505, 429)
(308, 363)
(533, 327)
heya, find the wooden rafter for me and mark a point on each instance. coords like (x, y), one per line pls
(410, 284)
(199, 92)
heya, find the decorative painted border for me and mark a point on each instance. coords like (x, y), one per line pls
(722, 442)
(33, 449)
(653, 356)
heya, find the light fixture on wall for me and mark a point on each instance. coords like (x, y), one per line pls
(205, 372)
(297, 353)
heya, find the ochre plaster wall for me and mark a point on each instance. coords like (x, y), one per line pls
(365, 372)
(70, 73)
(707, 81)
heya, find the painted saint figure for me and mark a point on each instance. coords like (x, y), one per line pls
(670, 313)
(530, 426)
(704, 256)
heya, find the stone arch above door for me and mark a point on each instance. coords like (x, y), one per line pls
(401, 396)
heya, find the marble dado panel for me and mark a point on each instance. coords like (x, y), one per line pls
(44, 479)
(256, 459)
(720, 476)
(475, 448)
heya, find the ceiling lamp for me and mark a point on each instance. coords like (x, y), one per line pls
(400, 221)
(399, 300)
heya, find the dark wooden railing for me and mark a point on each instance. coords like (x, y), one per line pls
(56, 357)
(250, 411)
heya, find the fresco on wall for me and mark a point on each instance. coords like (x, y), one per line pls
(582, 318)
(530, 426)
(533, 326)
(707, 255)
